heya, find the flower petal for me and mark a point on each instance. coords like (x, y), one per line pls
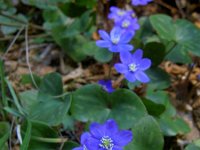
(145, 64)
(123, 137)
(97, 130)
(111, 127)
(142, 77)
(126, 57)
(115, 33)
(78, 148)
(137, 55)
(103, 43)
(125, 47)
(121, 68)
(130, 77)
(114, 48)
(104, 35)
(117, 148)
(93, 144)
(84, 137)
(126, 37)
(107, 85)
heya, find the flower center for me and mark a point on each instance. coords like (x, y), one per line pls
(106, 143)
(115, 40)
(133, 15)
(120, 13)
(132, 67)
(125, 23)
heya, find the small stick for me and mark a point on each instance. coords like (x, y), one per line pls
(13, 41)
(27, 57)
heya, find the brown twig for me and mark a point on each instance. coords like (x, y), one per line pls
(178, 4)
(27, 57)
(166, 5)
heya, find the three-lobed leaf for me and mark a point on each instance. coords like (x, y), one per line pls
(182, 32)
(92, 103)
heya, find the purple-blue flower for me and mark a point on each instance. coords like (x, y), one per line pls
(107, 85)
(116, 41)
(140, 2)
(128, 24)
(107, 136)
(117, 14)
(84, 138)
(133, 66)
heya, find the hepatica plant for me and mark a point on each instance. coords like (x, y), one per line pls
(133, 49)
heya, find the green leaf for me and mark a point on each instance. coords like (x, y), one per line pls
(122, 105)
(100, 54)
(27, 137)
(159, 78)
(27, 79)
(192, 147)
(28, 99)
(3, 86)
(10, 25)
(50, 110)
(49, 105)
(15, 99)
(163, 24)
(182, 32)
(73, 47)
(4, 133)
(103, 55)
(153, 108)
(70, 9)
(70, 145)
(155, 51)
(179, 54)
(13, 111)
(68, 122)
(40, 131)
(195, 145)
(86, 3)
(47, 4)
(161, 97)
(52, 84)
(145, 34)
(147, 135)
(170, 124)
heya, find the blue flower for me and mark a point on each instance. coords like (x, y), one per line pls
(117, 14)
(107, 136)
(116, 41)
(129, 24)
(140, 2)
(133, 66)
(84, 138)
(107, 85)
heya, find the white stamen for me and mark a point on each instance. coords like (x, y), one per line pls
(120, 12)
(106, 143)
(132, 67)
(125, 23)
(115, 40)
